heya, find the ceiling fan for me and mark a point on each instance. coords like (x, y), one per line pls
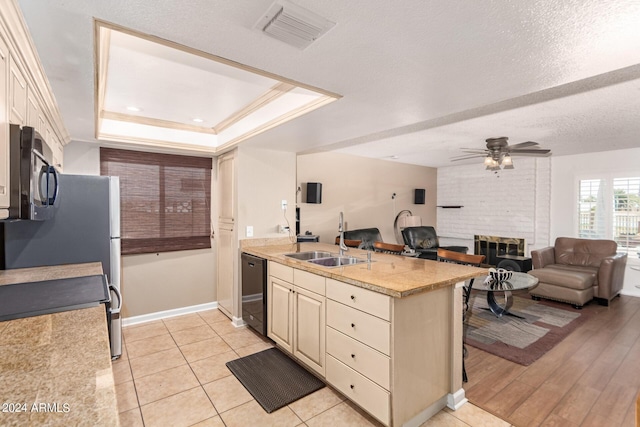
(498, 152)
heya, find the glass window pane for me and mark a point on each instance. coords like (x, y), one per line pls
(626, 215)
(592, 209)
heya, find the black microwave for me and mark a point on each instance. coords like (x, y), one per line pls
(33, 181)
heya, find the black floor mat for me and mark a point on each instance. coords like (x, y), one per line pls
(273, 379)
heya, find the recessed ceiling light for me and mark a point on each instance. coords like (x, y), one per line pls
(197, 120)
(132, 108)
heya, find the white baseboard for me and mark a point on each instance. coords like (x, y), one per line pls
(456, 400)
(144, 318)
(238, 322)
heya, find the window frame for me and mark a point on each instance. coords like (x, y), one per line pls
(633, 258)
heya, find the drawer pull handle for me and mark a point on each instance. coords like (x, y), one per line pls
(352, 386)
(353, 356)
(353, 325)
(353, 297)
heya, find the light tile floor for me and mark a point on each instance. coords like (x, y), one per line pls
(172, 373)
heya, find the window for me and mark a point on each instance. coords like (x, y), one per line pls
(609, 208)
(164, 200)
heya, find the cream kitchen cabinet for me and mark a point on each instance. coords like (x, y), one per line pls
(296, 314)
(359, 346)
(4, 129)
(24, 91)
(280, 312)
(17, 93)
(33, 111)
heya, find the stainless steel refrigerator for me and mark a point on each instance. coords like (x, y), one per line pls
(84, 228)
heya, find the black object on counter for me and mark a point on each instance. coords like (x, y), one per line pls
(52, 296)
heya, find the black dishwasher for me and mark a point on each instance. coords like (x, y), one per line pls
(254, 292)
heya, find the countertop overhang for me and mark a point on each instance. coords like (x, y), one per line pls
(395, 275)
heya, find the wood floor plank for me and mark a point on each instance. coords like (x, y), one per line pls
(510, 398)
(540, 403)
(591, 378)
(576, 404)
(601, 371)
(614, 402)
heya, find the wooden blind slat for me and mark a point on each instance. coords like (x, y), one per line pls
(165, 200)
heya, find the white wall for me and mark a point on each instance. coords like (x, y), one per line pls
(566, 172)
(153, 282)
(510, 203)
(362, 188)
(536, 200)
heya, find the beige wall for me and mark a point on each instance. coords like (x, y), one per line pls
(166, 281)
(265, 178)
(154, 282)
(362, 188)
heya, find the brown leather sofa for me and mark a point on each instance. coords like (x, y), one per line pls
(578, 270)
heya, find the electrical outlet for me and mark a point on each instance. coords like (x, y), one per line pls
(249, 232)
(283, 228)
(284, 205)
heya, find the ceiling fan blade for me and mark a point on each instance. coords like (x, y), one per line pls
(533, 153)
(478, 152)
(473, 149)
(475, 156)
(530, 151)
(523, 144)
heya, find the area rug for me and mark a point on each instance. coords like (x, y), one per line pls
(522, 341)
(273, 379)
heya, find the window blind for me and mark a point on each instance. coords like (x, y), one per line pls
(165, 200)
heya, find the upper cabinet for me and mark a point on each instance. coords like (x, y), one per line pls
(26, 98)
(4, 126)
(17, 94)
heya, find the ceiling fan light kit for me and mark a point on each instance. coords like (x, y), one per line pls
(498, 153)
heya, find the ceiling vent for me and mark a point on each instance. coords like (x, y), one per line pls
(292, 24)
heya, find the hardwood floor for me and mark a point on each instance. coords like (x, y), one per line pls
(591, 378)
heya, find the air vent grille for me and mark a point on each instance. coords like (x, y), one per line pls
(293, 24)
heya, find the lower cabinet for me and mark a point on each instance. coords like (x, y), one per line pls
(370, 396)
(309, 329)
(296, 315)
(390, 356)
(280, 313)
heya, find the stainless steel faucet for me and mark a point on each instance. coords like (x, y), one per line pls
(343, 247)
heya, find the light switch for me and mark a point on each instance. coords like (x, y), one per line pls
(249, 232)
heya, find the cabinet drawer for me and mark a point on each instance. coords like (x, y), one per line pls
(367, 361)
(368, 301)
(361, 326)
(281, 271)
(367, 394)
(309, 281)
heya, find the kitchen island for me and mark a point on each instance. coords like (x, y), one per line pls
(386, 334)
(55, 369)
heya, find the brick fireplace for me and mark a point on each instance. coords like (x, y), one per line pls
(492, 246)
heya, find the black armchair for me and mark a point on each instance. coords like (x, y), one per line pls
(424, 241)
(366, 235)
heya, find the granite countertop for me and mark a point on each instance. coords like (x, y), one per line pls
(395, 275)
(56, 369)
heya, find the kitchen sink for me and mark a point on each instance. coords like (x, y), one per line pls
(305, 256)
(337, 261)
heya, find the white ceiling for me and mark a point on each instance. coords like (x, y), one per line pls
(419, 79)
